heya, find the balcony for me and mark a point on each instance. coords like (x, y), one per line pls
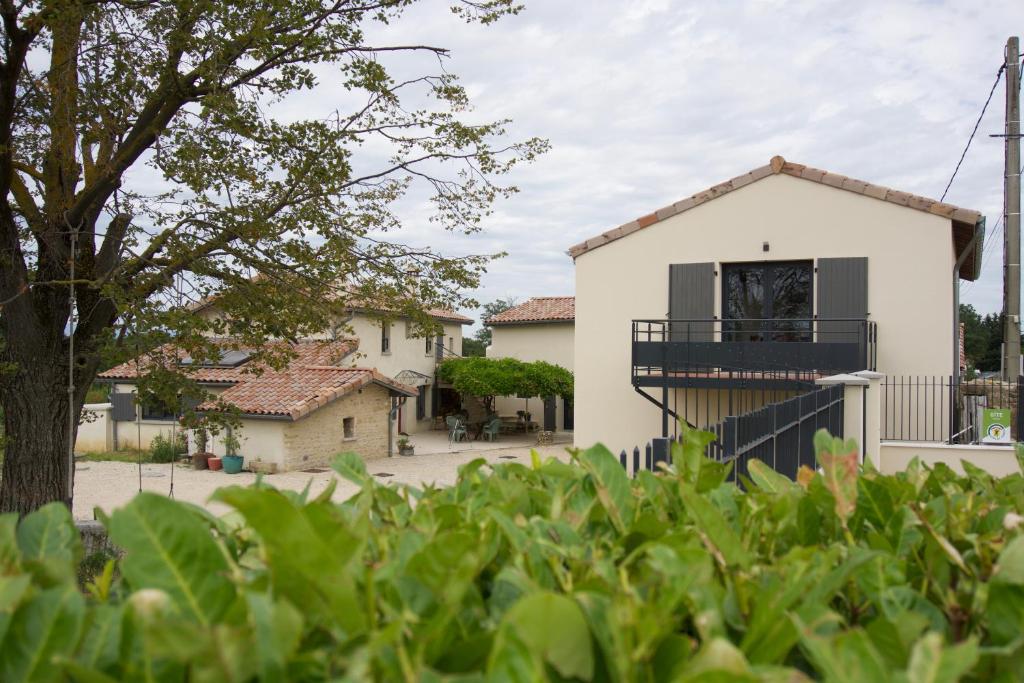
(759, 353)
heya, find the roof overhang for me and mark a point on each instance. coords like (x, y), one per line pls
(516, 323)
(963, 235)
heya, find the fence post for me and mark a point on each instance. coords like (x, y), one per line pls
(647, 460)
(660, 448)
(636, 460)
(622, 459)
(1020, 409)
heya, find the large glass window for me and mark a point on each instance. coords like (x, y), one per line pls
(768, 301)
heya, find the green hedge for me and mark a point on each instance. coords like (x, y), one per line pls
(556, 571)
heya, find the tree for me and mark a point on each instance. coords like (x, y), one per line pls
(488, 378)
(119, 98)
(490, 310)
(473, 347)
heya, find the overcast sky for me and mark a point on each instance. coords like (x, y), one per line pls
(648, 101)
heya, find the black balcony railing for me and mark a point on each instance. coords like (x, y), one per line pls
(706, 352)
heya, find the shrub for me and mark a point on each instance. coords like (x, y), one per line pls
(165, 449)
(559, 571)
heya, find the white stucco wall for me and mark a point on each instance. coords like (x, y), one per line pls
(999, 461)
(95, 432)
(910, 262)
(550, 342)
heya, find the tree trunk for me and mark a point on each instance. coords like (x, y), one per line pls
(35, 467)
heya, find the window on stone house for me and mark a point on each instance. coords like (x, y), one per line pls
(385, 337)
(349, 425)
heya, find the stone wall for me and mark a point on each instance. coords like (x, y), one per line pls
(315, 439)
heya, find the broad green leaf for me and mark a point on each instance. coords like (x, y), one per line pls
(13, 590)
(875, 502)
(554, 629)
(351, 467)
(170, 549)
(100, 648)
(49, 543)
(768, 479)
(1010, 566)
(718, 659)
(277, 628)
(43, 629)
(612, 483)
(933, 662)
(309, 553)
(713, 528)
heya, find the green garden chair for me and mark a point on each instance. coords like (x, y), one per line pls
(492, 429)
(456, 430)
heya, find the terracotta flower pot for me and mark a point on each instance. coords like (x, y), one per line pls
(200, 460)
(215, 464)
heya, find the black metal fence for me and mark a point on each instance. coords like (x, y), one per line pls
(779, 434)
(944, 409)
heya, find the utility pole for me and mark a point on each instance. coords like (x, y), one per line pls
(1011, 219)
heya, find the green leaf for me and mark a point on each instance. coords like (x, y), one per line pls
(42, 629)
(170, 549)
(351, 467)
(931, 662)
(612, 484)
(13, 590)
(768, 479)
(553, 628)
(309, 551)
(718, 656)
(49, 543)
(1010, 566)
(277, 628)
(838, 460)
(715, 531)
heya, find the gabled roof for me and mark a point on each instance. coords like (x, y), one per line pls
(539, 309)
(965, 221)
(308, 352)
(301, 389)
(311, 380)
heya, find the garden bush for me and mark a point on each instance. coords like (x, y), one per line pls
(555, 571)
(166, 449)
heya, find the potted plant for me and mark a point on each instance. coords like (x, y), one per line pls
(405, 447)
(201, 457)
(231, 460)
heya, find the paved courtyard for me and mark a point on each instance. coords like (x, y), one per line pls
(112, 484)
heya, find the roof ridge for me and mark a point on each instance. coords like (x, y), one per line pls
(778, 165)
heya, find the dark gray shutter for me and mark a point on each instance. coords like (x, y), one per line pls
(691, 296)
(439, 347)
(842, 293)
(123, 407)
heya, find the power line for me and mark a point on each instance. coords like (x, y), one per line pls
(999, 75)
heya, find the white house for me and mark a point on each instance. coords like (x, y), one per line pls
(295, 418)
(396, 349)
(776, 277)
(539, 329)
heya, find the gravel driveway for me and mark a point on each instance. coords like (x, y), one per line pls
(108, 485)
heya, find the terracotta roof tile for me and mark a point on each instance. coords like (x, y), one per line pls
(778, 165)
(301, 389)
(536, 310)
